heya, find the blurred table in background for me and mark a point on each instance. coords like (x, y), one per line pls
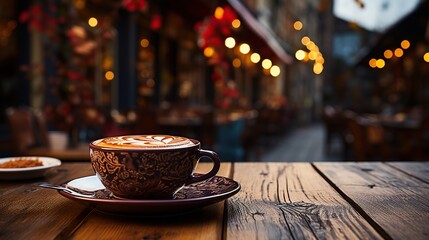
(79, 153)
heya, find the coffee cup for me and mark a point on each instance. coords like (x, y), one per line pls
(148, 166)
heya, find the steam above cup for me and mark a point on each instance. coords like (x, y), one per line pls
(148, 166)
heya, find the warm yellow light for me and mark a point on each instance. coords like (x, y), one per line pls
(315, 48)
(255, 57)
(93, 22)
(426, 57)
(209, 52)
(109, 75)
(266, 63)
(373, 63)
(218, 14)
(244, 48)
(318, 68)
(230, 42)
(236, 63)
(399, 52)
(297, 25)
(405, 44)
(305, 40)
(388, 54)
(320, 59)
(300, 54)
(275, 71)
(380, 63)
(144, 43)
(312, 55)
(310, 45)
(236, 23)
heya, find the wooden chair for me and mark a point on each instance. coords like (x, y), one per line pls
(27, 129)
(365, 141)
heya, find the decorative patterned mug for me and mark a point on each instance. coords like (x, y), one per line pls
(148, 166)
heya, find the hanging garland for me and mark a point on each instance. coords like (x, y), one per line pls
(211, 33)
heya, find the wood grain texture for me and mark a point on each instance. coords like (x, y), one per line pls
(290, 201)
(28, 212)
(397, 202)
(204, 223)
(419, 170)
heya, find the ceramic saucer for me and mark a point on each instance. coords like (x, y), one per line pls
(29, 172)
(193, 196)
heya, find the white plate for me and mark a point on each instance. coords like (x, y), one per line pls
(30, 172)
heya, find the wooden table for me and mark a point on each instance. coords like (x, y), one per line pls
(343, 200)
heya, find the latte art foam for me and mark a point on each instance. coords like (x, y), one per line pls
(145, 142)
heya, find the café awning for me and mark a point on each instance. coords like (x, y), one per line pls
(265, 35)
(261, 37)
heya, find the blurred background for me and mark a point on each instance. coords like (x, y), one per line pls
(255, 80)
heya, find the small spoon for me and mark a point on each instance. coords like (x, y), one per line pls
(68, 190)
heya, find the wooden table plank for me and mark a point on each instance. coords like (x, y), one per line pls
(290, 201)
(205, 223)
(419, 170)
(27, 212)
(397, 203)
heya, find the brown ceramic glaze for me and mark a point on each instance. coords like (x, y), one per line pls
(149, 173)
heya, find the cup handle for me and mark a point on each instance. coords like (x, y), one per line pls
(216, 165)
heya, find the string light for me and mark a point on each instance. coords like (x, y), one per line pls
(426, 57)
(109, 75)
(230, 42)
(266, 63)
(275, 71)
(255, 57)
(405, 44)
(318, 68)
(297, 25)
(209, 52)
(218, 14)
(244, 48)
(399, 52)
(320, 59)
(305, 40)
(236, 23)
(300, 54)
(373, 63)
(93, 22)
(312, 55)
(144, 43)
(380, 63)
(388, 54)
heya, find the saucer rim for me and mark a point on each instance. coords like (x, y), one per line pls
(154, 201)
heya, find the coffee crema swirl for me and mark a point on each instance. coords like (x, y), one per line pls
(145, 142)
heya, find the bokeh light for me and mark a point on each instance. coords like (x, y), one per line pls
(266, 63)
(92, 22)
(230, 42)
(255, 57)
(244, 48)
(297, 25)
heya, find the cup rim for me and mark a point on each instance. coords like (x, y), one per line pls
(196, 146)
